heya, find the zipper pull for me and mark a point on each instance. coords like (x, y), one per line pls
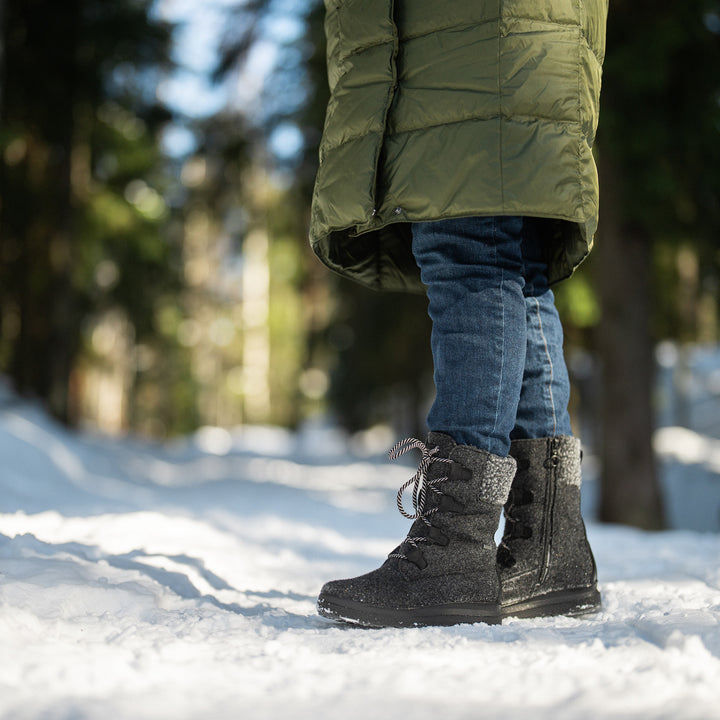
(553, 459)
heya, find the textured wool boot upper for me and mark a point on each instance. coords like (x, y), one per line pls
(545, 549)
(449, 554)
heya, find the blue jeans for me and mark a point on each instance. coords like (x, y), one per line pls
(496, 340)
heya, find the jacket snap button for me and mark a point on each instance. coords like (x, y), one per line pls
(397, 210)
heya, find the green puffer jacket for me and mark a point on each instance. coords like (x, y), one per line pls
(453, 108)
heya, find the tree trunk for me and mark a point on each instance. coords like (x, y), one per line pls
(36, 217)
(630, 492)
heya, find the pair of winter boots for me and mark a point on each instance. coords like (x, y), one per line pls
(448, 569)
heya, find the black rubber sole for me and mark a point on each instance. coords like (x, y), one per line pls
(581, 601)
(357, 613)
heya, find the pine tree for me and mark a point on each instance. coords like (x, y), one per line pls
(659, 157)
(78, 123)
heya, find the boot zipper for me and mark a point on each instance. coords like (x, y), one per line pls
(551, 464)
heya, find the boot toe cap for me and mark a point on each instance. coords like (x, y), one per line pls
(335, 589)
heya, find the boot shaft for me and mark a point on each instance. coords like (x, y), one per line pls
(462, 511)
(545, 545)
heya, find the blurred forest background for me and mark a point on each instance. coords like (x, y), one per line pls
(156, 167)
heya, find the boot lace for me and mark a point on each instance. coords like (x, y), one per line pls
(421, 485)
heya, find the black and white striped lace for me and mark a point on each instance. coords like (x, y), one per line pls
(421, 486)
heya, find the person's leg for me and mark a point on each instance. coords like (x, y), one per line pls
(545, 562)
(445, 571)
(473, 271)
(543, 407)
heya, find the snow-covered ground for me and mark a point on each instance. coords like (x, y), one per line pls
(139, 581)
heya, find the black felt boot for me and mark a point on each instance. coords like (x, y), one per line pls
(545, 562)
(445, 571)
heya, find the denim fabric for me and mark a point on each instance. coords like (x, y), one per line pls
(545, 395)
(496, 338)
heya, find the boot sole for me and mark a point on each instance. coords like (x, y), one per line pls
(581, 601)
(357, 613)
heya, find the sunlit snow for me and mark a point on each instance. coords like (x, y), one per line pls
(179, 581)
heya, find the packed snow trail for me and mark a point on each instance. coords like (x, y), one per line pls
(140, 581)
